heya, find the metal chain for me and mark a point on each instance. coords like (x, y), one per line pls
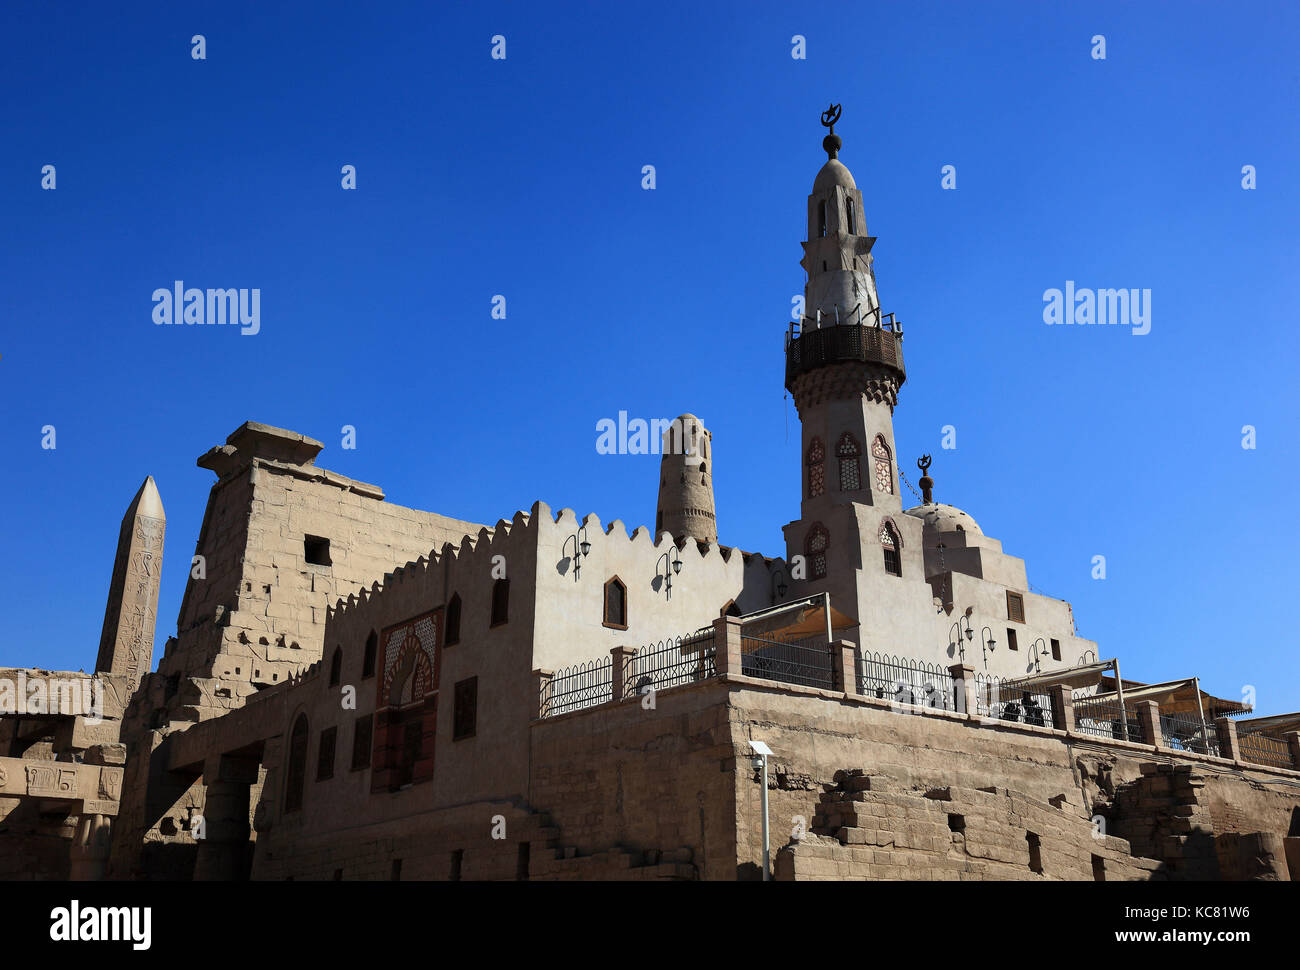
(903, 476)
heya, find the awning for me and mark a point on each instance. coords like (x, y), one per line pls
(1275, 724)
(1087, 675)
(808, 621)
(1176, 697)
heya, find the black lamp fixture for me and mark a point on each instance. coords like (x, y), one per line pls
(987, 644)
(960, 628)
(1038, 652)
(779, 587)
(676, 563)
(581, 548)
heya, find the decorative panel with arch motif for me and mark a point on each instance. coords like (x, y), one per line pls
(406, 706)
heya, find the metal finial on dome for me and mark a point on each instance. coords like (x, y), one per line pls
(832, 142)
(927, 483)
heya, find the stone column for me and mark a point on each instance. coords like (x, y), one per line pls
(1293, 742)
(726, 645)
(224, 839)
(618, 657)
(1062, 700)
(542, 691)
(89, 850)
(963, 688)
(844, 666)
(1148, 716)
(1228, 745)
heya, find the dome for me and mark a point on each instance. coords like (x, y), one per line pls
(833, 173)
(940, 519)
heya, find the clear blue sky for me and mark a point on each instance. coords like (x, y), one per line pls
(523, 178)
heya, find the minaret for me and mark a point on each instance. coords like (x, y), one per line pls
(126, 644)
(844, 360)
(686, 482)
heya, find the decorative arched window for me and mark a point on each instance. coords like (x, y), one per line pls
(890, 545)
(816, 468)
(815, 546)
(297, 773)
(848, 451)
(453, 621)
(615, 604)
(852, 221)
(500, 602)
(822, 230)
(884, 467)
(336, 667)
(368, 661)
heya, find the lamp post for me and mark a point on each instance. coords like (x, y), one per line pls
(761, 751)
(988, 644)
(676, 567)
(581, 547)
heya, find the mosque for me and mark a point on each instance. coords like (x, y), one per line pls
(358, 690)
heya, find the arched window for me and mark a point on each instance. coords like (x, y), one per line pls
(615, 604)
(453, 621)
(816, 468)
(884, 467)
(368, 661)
(336, 666)
(822, 230)
(848, 451)
(297, 772)
(852, 220)
(815, 546)
(500, 602)
(889, 544)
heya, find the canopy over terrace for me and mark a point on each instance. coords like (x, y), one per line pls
(1174, 696)
(814, 617)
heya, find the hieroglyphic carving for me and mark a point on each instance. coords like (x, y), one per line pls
(51, 781)
(126, 642)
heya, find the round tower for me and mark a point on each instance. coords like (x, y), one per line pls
(686, 482)
(844, 358)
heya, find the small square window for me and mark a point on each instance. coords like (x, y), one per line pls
(1011, 640)
(316, 550)
(1056, 649)
(361, 740)
(465, 709)
(1015, 607)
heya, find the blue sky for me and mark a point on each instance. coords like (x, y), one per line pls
(522, 177)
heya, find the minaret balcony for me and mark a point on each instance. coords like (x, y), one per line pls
(808, 349)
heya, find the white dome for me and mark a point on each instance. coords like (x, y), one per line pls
(940, 519)
(833, 173)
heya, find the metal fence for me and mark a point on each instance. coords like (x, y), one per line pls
(1264, 749)
(1183, 733)
(803, 662)
(906, 681)
(1106, 719)
(582, 685)
(1005, 700)
(668, 663)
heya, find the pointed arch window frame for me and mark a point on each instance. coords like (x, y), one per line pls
(815, 461)
(817, 557)
(848, 450)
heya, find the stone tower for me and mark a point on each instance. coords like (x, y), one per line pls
(844, 359)
(126, 643)
(686, 482)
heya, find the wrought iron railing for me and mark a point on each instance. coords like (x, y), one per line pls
(573, 688)
(1264, 749)
(1004, 700)
(803, 662)
(842, 342)
(1183, 733)
(667, 663)
(1106, 719)
(906, 681)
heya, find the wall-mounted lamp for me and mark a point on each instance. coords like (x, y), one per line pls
(1037, 654)
(779, 587)
(957, 630)
(988, 645)
(675, 563)
(581, 548)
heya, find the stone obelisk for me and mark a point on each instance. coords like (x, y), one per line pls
(126, 645)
